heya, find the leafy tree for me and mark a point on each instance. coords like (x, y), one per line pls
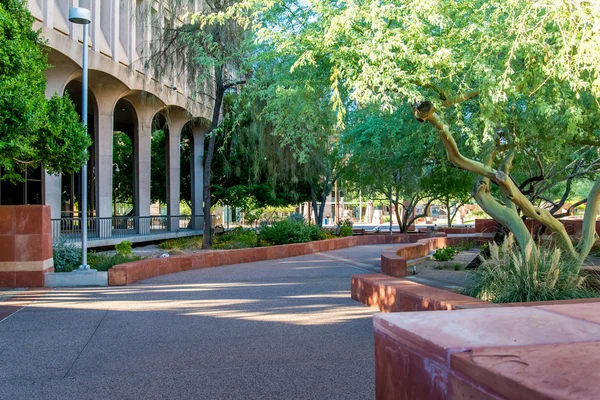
(512, 80)
(34, 131)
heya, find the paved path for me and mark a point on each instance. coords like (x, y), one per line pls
(282, 329)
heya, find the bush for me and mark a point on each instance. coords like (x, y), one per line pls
(445, 254)
(125, 248)
(103, 262)
(238, 238)
(67, 257)
(508, 277)
(344, 228)
(345, 231)
(288, 231)
(296, 217)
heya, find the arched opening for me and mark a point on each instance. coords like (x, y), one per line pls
(124, 159)
(187, 161)
(71, 183)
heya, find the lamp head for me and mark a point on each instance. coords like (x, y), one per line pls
(81, 16)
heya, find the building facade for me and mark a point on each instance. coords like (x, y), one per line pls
(125, 95)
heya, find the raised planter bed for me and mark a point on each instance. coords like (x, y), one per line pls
(125, 274)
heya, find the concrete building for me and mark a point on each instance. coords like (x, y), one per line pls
(126, 95)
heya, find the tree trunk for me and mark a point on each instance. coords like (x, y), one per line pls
(207, 235)
(448, 214)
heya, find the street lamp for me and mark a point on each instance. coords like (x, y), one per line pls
(82, 16)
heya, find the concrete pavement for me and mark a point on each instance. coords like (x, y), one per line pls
(281, 329)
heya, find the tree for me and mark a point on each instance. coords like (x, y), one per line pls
(34, 131)
(508, 78)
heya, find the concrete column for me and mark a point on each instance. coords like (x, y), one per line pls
(142, 152)
(175, 124)
(95, 29)
(48, 12)
(197, 176)
(104, 166)
(115, 42)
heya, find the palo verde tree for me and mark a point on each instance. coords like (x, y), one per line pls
(507, 78)
(34, 131)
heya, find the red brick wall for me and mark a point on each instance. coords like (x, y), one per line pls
(25, 245)
(125, 274)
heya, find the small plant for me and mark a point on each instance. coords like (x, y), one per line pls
(457, 267)
(508, 276)
(67, 257)
(344, 228)
(124, 248)
(445, 254)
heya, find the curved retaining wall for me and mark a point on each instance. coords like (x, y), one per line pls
(124, 274)
(394, 261)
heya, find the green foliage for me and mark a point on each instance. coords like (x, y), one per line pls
(445, 254)
(103, 262)
(124, 248)
(33, 131)
(287, 231)
(457, 267)
(238, 238)
(508, 276)
(345, 231)
(189, 242)
(67, 257)
(123, 156)
(344, 228)
(297, 217)
(465, 245)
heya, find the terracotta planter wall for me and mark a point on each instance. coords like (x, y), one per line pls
(25, 245)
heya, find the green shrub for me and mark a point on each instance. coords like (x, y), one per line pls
(344, 228)
(288, 231)
(103, 262)
(345, 231)
(445, 254)
(457, 267)
(125, 248)
(67, 257)
(545, 274)
(238, 238)
(296, 217)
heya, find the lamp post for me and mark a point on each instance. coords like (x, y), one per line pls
(82, 16)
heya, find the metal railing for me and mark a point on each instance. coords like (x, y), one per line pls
(103, 228)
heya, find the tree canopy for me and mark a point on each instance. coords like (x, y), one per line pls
(34, 131)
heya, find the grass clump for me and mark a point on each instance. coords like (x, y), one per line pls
(238, 238)
(190, 242)
(508, 276)
(290, 231)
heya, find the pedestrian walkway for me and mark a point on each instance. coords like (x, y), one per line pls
(280, 329)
